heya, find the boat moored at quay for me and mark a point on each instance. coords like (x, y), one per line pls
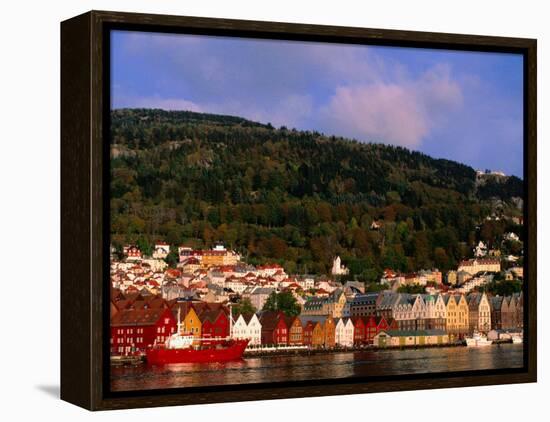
(478, 340)
(186, 348)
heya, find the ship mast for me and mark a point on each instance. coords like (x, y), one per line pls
(179, 320)
(230, 320)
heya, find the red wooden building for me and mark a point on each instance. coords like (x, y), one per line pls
(133, 330)
(295, 331)
(274, 328)
(215, 324)
(308, 332)
(359, 330)
(376, 324)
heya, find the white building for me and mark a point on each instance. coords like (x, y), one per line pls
(511, 236)
(480, 250)
(306, 283)
(474, 266)
(249, 327)
(161, 251)
(344, 332)
(435, 307)
(338, 268)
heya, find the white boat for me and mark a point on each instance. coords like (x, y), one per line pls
(517, 339)
(478, 340)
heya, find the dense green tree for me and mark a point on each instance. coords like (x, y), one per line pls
(284, 302)
(411, 289)
(244, 307)
(298, 198)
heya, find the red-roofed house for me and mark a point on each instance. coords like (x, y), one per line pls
(133, 330)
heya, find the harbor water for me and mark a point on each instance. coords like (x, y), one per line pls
(317, 366)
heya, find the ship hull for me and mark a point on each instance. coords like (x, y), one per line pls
(231, 352)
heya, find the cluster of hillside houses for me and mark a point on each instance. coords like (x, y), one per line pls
(147, 296)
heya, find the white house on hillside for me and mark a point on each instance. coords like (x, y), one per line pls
(161, 251)
(338, 268)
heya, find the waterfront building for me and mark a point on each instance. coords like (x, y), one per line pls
(324, 330)
(519, 309)
(215, 326)
(344, 332)
(358, 330)
(457, 323)
(308, 327)
(374, 325)
(479, 313)
(410, 312)
(248, 326)
(436, 312)
(509, 312)
(395, 338)
(133, 330)
(496, 312)
(317, 336)
(274, 328)
(295, 331)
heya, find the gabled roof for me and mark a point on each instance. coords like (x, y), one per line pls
(211, 315)
(137, 317)
(496, 302)
(270, 319)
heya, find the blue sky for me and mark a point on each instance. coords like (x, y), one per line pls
(464, 106)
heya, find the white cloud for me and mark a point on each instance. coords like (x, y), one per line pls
(378, 112)
(401, 113)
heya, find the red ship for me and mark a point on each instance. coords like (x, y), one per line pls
(225, 351)
(183, 349)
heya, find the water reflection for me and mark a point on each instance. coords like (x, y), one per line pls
(320, 366)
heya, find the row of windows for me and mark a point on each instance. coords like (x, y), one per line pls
(121, 340)
(129, 331)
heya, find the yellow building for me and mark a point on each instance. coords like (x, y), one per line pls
(192, 323)
(318, 336)
(474, 266)
(219, 256)
(457, 323)
(322, 306)
(324, 331)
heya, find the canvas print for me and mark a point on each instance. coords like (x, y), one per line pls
(297, 211)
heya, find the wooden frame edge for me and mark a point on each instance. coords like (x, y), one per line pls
(82, 205)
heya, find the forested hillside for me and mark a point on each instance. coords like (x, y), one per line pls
(295, 197)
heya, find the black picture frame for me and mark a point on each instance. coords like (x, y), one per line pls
(85, 111)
